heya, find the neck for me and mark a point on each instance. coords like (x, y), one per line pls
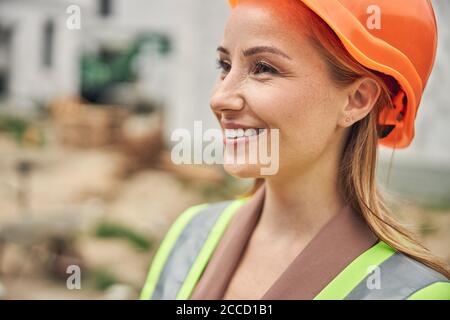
(299, 206)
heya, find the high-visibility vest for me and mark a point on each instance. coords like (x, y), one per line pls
(192, 239)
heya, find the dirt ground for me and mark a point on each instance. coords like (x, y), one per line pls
(79, 188)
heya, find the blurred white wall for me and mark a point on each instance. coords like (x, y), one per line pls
(29, 77)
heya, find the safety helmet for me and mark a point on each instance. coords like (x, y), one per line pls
(404, 47)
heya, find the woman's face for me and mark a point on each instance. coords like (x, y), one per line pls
(273, 78)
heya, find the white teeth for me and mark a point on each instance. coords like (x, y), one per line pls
(229, 133)
(238, 133)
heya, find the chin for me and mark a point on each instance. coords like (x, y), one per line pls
(243, 171)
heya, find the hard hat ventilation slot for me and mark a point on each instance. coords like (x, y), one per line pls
(384, 130)
(403, 111)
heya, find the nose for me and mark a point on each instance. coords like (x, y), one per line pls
(227, 96)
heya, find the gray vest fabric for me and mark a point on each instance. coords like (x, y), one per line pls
(400, 275)
(186, 249)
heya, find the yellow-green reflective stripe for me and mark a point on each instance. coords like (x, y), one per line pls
(435, 291)
(355, 272)
(207, 249)
(164, 250)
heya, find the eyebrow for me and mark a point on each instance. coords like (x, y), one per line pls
(256, 50)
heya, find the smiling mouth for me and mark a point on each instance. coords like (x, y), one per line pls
(241, 134)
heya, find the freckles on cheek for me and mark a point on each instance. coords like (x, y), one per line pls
(267, 104)
(301, 119)
(295, 109)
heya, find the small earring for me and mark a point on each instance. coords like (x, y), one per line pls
(348, 119)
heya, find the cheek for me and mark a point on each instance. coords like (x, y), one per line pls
(305, 114)
(307, 109)
(314, 117)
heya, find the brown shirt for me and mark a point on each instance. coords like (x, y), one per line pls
(339, 242)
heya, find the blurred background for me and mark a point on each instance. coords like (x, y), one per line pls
(90, 91)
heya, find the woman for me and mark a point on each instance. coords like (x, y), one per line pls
(335, 78)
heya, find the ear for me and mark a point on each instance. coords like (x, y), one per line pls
(362, 96)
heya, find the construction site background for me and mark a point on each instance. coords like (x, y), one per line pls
(86, 177)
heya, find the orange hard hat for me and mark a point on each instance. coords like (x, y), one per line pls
(404, 47)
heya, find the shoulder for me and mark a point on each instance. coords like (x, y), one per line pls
(402, 277)
(422, 281)
(197, 223)
(201, 214)
(193, 234)
(204, 215)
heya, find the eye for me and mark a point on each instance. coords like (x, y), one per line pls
(224, 66)
(263, 67)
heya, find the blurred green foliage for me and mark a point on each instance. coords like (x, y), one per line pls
(13, 126)
(103, 279)
(23, 131)
(101, 70)
(113, 230)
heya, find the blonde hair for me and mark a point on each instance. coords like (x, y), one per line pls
(357, 172)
